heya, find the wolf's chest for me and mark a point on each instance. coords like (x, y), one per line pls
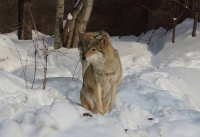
(106, 82)
(105, 86)
(107, 78)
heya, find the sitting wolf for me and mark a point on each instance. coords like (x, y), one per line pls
(102, 76)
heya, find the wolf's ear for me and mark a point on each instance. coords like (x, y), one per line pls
(104, 40)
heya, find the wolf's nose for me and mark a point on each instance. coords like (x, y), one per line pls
(84, 58)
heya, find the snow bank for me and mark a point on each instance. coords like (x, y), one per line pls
(64, 113)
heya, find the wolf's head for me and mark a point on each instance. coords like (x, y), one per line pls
(85, 41)
(97, 48)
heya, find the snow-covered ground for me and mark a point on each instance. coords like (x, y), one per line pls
(158, 97)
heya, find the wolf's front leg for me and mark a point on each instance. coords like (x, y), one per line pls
(113, 90)
(106, 103)
(98, 101)
(87, 101)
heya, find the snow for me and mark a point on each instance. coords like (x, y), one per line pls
(69, 16)
(158, 97)
(10, 128)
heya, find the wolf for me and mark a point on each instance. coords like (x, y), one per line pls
(83, 44)
(102, 76)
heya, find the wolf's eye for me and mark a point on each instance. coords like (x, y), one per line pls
(93, 49)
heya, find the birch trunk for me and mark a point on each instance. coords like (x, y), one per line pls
(82, 21)
(71, 26)
(58, 24)
(65, 33)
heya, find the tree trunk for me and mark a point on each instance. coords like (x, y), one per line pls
(71, 26)
(24, 20)
(195, 19)
(195, 24)
(192, 8)
(82, 21)
(65, 33)
(58, 24)
(173, 33)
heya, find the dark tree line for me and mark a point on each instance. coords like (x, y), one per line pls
(68, 35)
(174, 9)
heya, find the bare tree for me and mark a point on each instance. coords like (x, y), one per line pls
(24, 20)
(173, 9)
(82, 21)
(77, 24)
(65, 33)
(68, 31)
(58, 24)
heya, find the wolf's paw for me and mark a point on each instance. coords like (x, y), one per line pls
(105, 109)
(94, 110)
(110, 107)
(100, 110)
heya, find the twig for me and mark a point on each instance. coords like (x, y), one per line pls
(24, 70)
(75, 70)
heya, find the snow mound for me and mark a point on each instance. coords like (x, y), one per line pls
(176, 129)
(64, 113)
(10, 128)
(10, 54)
(131, 116)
